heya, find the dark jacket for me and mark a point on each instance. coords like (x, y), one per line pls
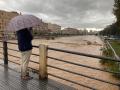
(24, 37)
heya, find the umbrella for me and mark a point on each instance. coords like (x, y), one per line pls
(23, 21)
(20, 22)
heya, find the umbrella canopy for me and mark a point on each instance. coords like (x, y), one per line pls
(23, 21)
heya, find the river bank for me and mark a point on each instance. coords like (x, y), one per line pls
(112, 49)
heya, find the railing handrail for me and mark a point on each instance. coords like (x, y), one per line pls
(86, 66)
(84, 54)
(90, 77)
(75, 53)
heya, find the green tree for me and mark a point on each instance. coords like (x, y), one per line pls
(114, 28)
(116, 11)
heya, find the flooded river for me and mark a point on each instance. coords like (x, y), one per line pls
(83, 44)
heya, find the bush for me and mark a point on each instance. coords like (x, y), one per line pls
(111, 65)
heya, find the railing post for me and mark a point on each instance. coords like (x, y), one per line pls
(5, 53)
(43, 62)
(119, 87)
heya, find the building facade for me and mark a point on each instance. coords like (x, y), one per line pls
(42, 28)
(70, 31)
(46, 28)
(5, 17)
(54, 27)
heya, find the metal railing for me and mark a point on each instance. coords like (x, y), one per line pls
(43, 60)
(87, 55)
(6, 54)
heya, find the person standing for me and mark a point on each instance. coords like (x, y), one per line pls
(24, 37)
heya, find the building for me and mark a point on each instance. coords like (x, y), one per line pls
(46, 28)
(5, 17)
(42, 28)
(70, 31)
(54, 27)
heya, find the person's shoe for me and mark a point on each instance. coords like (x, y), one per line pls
(26, 77)
(27, 74)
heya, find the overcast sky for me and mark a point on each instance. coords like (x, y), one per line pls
(67, 13)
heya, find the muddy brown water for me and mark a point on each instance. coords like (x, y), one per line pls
(84, 44)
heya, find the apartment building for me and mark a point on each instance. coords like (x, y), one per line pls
(54, 27)
(5, 17)
(42, 28)
(70, 31)
(45, 28)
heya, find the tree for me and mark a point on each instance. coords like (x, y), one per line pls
(114, 28)
(116, 11)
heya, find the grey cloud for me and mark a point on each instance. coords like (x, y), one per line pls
(69, 12)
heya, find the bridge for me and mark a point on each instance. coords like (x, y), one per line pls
(10, 80)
